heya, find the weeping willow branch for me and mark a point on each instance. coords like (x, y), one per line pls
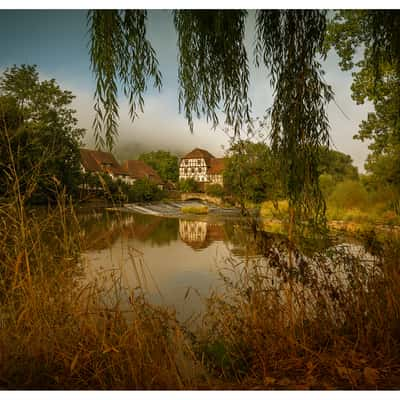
(119, 53)
(213, 65)
(288, 42)
(214, 77)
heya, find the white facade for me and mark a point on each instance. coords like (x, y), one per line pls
(199, 170)
(195, 168)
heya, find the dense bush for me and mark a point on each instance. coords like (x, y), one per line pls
(106, 187)
(188, 185)
(195, 209)
(349, 194)
(327, 184)
(215, 190)
(143, 190)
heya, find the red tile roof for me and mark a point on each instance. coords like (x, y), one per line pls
(216, 166)
(199, 153)
(100, 161)
(138, 169)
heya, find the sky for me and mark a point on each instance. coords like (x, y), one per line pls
(57, 42)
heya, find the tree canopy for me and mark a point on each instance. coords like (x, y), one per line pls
(337, 164)
(165, 163)
(39, 134)
(376, 78)
(250, 173)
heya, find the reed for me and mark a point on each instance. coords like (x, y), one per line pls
(332, 321)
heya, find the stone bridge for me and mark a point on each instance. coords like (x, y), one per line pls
(201, 196)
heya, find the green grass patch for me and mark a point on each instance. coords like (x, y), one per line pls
(274, 210)
(195, 209)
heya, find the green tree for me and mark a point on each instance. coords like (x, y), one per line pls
(44, 145)
(337, 164)
(165, 163)
(376, 34)
(188, 185)
(215, 190)
(250, 173)
(143, 190)
(349, 194)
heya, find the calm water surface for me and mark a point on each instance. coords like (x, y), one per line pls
(176, 261)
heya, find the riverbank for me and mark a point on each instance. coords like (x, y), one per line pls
(279, 324)
(275, 216)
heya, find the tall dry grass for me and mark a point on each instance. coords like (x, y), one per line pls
(327, 321)
(56, 330)
(285, 320)
(56, 333)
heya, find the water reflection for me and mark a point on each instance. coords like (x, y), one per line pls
(167, 257)
(200, 234)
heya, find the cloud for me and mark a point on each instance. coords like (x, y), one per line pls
(160, 127)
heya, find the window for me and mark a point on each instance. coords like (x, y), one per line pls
(198, 162)
(192, 170)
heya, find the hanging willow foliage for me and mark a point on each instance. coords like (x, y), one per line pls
(214, 76)
(289, 42)
(213, 65)
(121, 53)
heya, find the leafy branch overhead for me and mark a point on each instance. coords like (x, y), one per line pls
(289, 43)
(120, 53)
(214, 74)
(213, 65)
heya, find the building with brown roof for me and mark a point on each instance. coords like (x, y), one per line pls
(138, 169)
(201, 166)
(97, 162)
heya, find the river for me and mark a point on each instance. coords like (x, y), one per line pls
(176, 261)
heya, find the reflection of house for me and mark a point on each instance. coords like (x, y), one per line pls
(138, 169)
(96, 161)
(202, 166)
(199, 234)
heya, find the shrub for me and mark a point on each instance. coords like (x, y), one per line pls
(188, 185)
(349, 194)
(215, 190)
(327, 184)
(144, 190)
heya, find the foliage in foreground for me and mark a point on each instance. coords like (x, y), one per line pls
(60, 331)
(327, 320)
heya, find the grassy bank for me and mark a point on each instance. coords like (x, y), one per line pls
(195, 209)
(286, 321)
(353, 219)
